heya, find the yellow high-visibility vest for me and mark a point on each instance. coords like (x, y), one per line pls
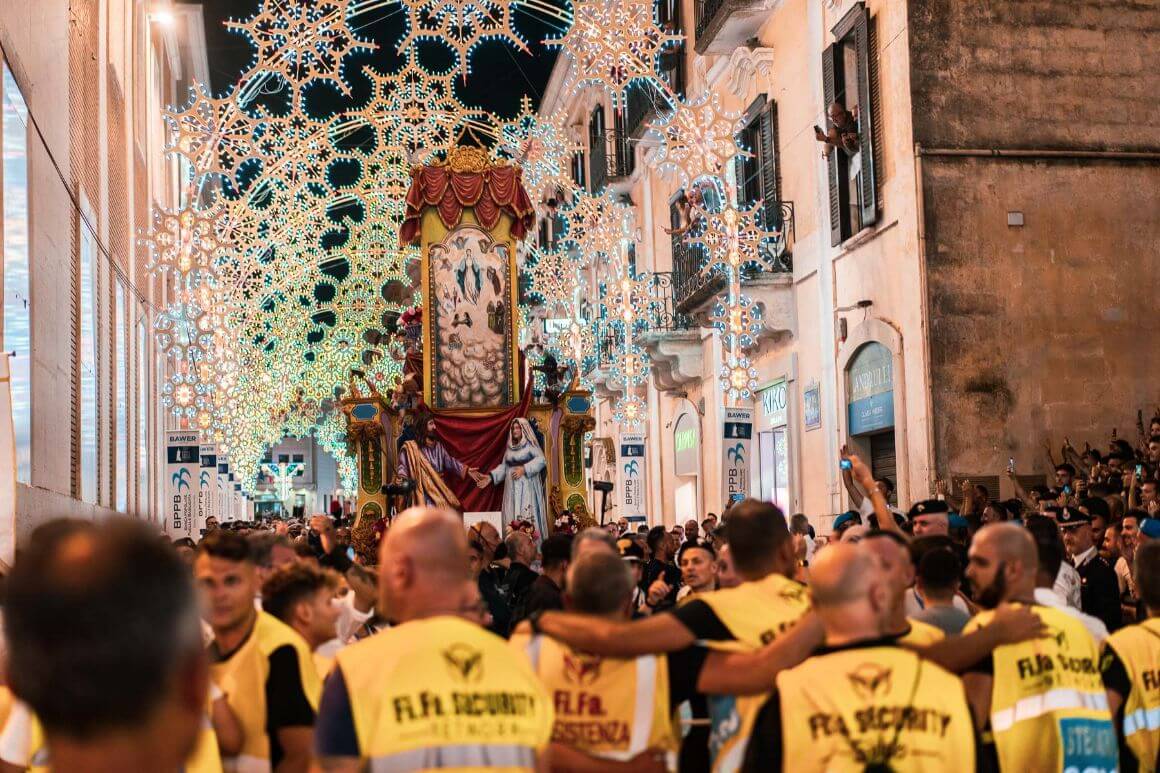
(756, 613)
(242, 676)
(611, 708)
(444, 693)
(1048, 708)
(846, 709)
(921, 633)
(1138, 647)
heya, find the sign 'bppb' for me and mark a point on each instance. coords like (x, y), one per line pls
(736, 448)
(182, 465)
(631, 468)
(207, 502)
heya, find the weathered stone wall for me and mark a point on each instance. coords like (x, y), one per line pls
(1038, 73)
(1042, 331)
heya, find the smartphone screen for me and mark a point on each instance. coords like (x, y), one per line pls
(845, 464)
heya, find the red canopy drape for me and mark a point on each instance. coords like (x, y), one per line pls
(490, 192)
(479, 441)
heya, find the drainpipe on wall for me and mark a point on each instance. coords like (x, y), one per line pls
(924, 306)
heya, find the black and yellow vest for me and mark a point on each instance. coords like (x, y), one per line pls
(242, 676)
(204, 757)
(1138, 647)
(608, 707)
(1049, 710)
(920, 634)
(755, 613)
(876, 705)
(443, 692)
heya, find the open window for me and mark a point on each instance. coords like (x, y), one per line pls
(847, 79)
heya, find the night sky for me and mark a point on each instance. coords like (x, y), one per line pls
(500, 74)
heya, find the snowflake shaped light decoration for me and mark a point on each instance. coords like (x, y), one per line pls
(414, 109)
(738, 377)
(738, 322)
(543, 149)
(631, 412)
(460, 25)
(181, 241)
(214, 135)
(555, 275)
(631, 367)
(697, 139)
(613, 43)
(731, 237)
(303, 41)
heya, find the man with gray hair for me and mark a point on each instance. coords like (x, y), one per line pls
(608, 708)
(592, 538)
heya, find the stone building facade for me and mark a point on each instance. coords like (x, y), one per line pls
(93, 77)
(973, 280)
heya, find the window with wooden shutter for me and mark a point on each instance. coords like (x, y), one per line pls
(770, 167)
(849, 77)
(865, 118)
(833, 160)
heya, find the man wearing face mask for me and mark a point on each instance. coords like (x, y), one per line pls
(1038, 704)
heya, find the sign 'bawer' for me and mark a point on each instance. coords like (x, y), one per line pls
(737, 439)
(632, 477)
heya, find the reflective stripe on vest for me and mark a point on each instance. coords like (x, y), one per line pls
(455, 756)
(533, 650)
(642, 717)
(1044, 703)
(1141, 720)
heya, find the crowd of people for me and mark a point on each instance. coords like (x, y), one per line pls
(963, 634)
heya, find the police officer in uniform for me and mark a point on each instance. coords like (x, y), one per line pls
(1099, 589)
(861, 700)
(1039, 704)
(1131, 670)
(434, 691)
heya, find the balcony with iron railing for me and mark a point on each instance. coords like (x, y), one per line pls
(610, 158)
(694, 290)
(721, 26)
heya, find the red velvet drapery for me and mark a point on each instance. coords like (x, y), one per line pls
(490, 193)
(479, 441)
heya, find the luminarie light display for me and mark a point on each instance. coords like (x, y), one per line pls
(283, 254)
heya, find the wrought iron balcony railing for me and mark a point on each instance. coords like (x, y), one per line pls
(611, 158)
(692, 288)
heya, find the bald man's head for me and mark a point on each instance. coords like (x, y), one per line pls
(849, 590)
(423, 554)
(1002, 563)
(835, 574)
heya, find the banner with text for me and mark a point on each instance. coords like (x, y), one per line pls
(737, 447)
(182, 465)
(207, 504)
(223, 488)
(632, 478)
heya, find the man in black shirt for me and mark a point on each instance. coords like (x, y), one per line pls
(519, 578)
(246, 640)
(661, 567)
(482, 544)
(547, 592)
